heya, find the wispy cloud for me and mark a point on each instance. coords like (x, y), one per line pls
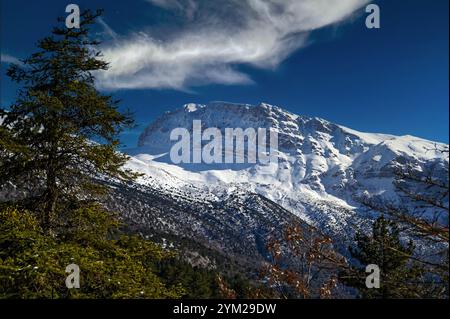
(187, 7)
(108, 30)
(6, 58)
(223, 35)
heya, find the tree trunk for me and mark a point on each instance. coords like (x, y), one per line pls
(50, 198)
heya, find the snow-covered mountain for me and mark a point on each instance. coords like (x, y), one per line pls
(323, 172)
(227, 213)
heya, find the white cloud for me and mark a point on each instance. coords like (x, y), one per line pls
(166, 4)
(6, 58)
(107, 29)
(189, 7)
(223, 35)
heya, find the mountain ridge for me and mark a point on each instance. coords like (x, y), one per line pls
(318, 161)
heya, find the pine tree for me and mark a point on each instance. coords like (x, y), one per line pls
(61, 134)
(423, 217)
(56, 143)
(384, 248)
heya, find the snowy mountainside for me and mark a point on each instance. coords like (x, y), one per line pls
(237, 227)
(323, 168)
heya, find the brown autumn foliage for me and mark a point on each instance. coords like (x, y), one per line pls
(303, 265)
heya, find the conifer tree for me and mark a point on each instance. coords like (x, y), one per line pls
(61, 133)
(56, 144)
(423, 216)
(384, 248)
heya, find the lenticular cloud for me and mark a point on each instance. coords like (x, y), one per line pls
(217, 38)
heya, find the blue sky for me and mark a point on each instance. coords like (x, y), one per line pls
(311, 58)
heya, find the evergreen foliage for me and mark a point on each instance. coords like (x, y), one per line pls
(32, 264)
(61, 133)
(57, 142)
(399, 275)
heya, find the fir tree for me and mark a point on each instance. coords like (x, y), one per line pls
(424, 219)
(56, 142)
(61, 133)
(384, 248)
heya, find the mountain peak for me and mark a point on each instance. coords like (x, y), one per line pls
(295, 131)
(323, 168)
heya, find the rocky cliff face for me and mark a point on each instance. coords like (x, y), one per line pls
(323, 172)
